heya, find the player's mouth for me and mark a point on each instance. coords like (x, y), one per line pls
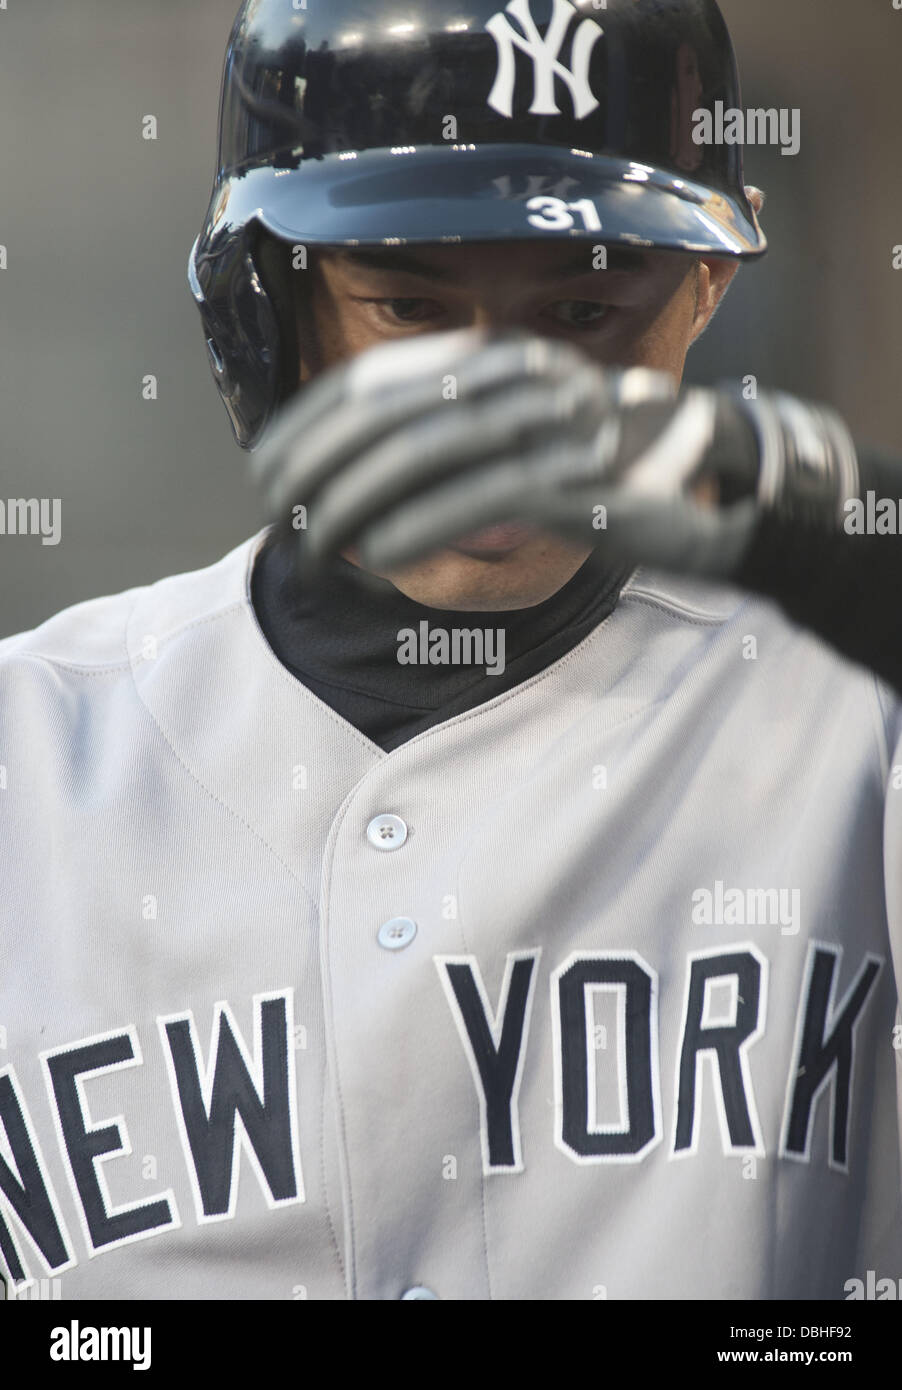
(493, 541)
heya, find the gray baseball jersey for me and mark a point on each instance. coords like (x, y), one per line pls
(587, 992)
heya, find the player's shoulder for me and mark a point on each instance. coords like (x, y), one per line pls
(796, 664)
(103, 637)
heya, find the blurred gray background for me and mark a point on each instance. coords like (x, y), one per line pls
(98, 224)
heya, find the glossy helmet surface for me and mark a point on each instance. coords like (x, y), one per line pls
(377, 122)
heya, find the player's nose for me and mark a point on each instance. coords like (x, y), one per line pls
(491, 318)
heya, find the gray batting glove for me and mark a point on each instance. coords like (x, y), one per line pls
(420, 442)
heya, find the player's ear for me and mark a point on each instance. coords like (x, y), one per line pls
(715, 276)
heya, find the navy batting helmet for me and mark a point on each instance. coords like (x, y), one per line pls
(362, 122)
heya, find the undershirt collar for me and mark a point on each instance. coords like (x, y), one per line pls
(339, 636)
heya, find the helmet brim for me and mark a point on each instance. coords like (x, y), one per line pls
(466, 193)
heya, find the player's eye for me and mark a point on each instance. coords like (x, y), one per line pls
(578, 313)
(408, 311)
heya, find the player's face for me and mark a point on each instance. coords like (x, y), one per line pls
(645, 309)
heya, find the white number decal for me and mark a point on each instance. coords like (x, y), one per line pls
(554, 215)
(589, 213)
(549, 214)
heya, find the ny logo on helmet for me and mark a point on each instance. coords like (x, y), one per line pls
(546, 60)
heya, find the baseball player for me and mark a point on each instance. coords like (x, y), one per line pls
(483, 883)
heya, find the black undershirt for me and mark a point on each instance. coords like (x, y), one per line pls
(339, 637)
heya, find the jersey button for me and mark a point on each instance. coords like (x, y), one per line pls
(419, 1291)
(397, 933)
(386, 832)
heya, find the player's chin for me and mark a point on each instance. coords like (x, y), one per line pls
(483, 572)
